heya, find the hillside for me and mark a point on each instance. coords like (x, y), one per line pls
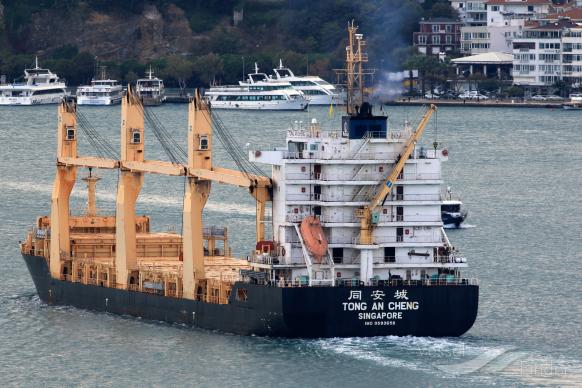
(197, 41)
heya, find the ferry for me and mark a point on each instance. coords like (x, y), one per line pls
(102, 91)
(356, 246)
(315, 89)
(40, 86)
(151, 89)
(257, 93)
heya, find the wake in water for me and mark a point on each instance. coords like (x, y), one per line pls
(462, 226)
(149, 199)
(459, 357)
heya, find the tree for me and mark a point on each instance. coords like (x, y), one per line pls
(208, 68)
(178, 68)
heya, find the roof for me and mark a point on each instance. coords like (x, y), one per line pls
(573, 13)
(519, 2)
(557, 25)
(486, 58)
(439, 20)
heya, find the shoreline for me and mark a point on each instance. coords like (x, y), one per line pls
(472, 103)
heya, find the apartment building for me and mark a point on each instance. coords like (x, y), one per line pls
(546, 53)
(503, 21)
(438, 35)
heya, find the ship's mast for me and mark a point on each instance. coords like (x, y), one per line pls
(355, 73)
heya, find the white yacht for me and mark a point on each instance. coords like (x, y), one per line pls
(103, 91)
(151, 89)
(40, 86)
(257, 93)
(315, 89)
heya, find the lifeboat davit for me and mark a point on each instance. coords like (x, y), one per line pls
(313, 237)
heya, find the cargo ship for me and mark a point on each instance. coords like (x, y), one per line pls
(354, 247)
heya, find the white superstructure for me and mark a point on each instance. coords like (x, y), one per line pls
(257, 93)
(40, 86)
(151, 89)
(103, 91)
(334, 174)
(315, 89)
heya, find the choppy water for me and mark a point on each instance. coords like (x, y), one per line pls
(519, 172)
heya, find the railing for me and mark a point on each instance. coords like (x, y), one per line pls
(392, 239)
(442, 280)
(214, 231)
(330, 155)
(343, 218)
(359, 198)
(265, 259)
(376, 177)
(450, 259)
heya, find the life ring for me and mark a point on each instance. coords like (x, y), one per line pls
(314, 238)
(445, 152)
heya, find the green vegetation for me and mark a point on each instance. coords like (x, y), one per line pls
(305, 34)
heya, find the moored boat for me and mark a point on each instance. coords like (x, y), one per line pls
(40, 86)
(102, 91)
(151, 89)
(258, 92)
(316, 90)
(575, 102)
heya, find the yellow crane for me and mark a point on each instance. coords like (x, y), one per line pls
(368, 215)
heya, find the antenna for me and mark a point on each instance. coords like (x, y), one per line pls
(256, 68)
(280, 63)
(354, 71)
(36, 62)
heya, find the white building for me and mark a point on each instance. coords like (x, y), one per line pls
(548, 53)
(501, 12)
(471, 13)
(504, 20)
(572, 56)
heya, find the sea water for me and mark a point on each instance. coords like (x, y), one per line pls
(518, 172)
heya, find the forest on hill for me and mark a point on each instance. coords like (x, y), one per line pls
(202, 41)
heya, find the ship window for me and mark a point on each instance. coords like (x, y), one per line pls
(303, 169)
(204, 142)
(303, 189)
(313, 147)
(381, 169)
(296, 210)
(338, 255)
(241, 295)
(389, 254)
(135, 136)
(70, 133)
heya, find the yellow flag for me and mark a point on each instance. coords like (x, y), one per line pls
(330, 110)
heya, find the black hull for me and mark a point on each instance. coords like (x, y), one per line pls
(308, 312)
(449, 219)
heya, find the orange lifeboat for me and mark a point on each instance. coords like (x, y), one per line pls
(313, 236)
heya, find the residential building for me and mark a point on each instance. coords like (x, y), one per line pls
(547, 53)
(471, 12)
(504, 20)
(501, 12)
(572, 56)
(438, 35)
